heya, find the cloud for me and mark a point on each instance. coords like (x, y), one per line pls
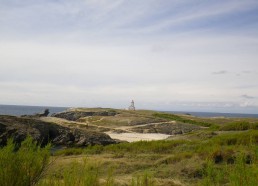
(220, 72)
(102, 53)
(248, 104)
(119, 17)
(247, 71)
(247, 96)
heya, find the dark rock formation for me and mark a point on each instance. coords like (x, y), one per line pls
(43, 132)
(75, 115)
(42, 114)
(167, 128)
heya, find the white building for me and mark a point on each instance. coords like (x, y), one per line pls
(131, 107)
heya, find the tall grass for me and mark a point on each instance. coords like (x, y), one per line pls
(77, 173)
(240, 125)
(24, 166)
(212, 176)
(240, 173)
(143, 180)
(161, 146)
(243, 173)
(81, 174)
(232, 160)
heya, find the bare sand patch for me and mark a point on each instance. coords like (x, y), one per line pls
(133, 136)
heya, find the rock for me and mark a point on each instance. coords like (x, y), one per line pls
(42, 114)
(43, 132)
(75, 115)
(167, 128)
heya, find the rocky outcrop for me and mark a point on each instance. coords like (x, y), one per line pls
(167, 128)
(75, 115)
(42, 114)
(43, 132)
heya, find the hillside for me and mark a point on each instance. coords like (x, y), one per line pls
(177, 149)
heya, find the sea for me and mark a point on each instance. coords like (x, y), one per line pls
(18, 110)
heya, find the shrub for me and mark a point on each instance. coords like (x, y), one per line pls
(24, 166)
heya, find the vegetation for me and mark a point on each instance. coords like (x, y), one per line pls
(184, 120)
(225, 155)
(239, 125)
(200, 161)
(23, 165)
(77, 173)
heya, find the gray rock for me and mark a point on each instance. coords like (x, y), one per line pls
(167, 128)
(42, 114)
(75, 115)
(43, 132)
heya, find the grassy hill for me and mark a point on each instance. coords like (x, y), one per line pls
(216, 151)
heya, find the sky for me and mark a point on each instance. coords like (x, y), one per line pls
(171, 55)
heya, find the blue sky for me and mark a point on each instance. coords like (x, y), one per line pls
(193, 55)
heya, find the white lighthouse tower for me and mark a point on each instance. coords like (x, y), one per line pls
(131, 107)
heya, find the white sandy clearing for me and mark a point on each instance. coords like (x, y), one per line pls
(133, 136)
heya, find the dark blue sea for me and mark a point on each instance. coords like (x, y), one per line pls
(215, 114)
(17, 110)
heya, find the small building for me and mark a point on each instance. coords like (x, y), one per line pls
(131, 107)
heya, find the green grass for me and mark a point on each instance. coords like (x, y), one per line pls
(185, 120)
(95, 149)
(245, 138)
(239, 126)
(76, 173)
(240, 173)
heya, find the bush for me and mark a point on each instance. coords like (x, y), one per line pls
(24, 166)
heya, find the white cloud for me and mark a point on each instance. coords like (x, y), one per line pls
(97, 53)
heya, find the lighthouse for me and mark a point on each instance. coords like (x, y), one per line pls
(131, 107)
